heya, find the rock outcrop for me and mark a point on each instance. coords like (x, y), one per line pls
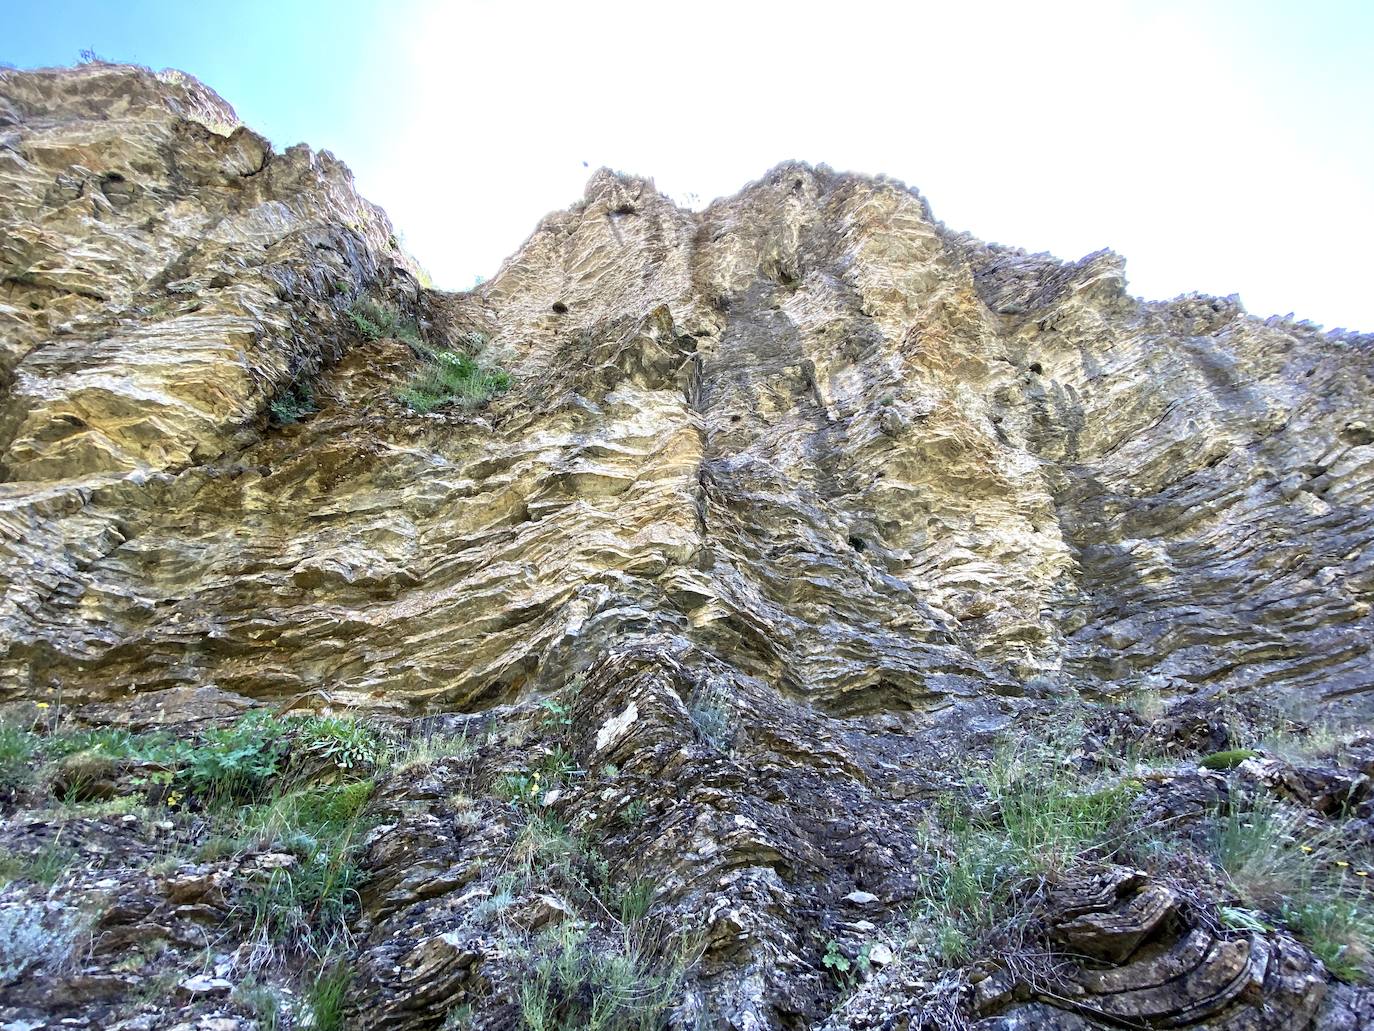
(806, 492)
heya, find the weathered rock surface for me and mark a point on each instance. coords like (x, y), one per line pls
(810, 492)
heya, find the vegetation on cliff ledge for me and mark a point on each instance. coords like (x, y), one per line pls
(445, 376)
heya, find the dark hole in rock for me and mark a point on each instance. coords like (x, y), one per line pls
(624, 209)
(857, 543)
(734, 418)
(1035, 368)
(1308, 373)
(559, 308)
(114, 177)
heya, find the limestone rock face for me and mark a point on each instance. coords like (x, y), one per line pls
(862, 487)
(810, 430)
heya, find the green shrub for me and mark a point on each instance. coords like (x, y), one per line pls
(380, 321)
(964, 891)
(293, 404)
(713, 719)
(341, 740)
(237, 761)
(449, 377)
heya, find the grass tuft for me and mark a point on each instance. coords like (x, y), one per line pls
(1304, 876)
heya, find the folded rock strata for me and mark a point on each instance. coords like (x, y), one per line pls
(867, 486)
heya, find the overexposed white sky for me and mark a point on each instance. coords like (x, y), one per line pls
(1221, 147)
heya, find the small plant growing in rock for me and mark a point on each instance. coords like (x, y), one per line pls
(448, 377)
(345, 742)
(836, 961)
(1307, 876)
(325, 996)
(380, 321)
(293, 404)
(712, 718)
(634, 813)
(17, 749)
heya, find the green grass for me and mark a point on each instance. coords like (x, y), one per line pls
(1050, 815)
(1027, 814)
(429, 747)
(444, 377)
(573, 982)
(45, 866)
(326, 996)
(1339, 929)
(261, 1001)
(449, 377)
(303, 908)
(1303, 876)
(380, 321)
(17, 750)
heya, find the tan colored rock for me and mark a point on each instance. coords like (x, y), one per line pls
(806, 490)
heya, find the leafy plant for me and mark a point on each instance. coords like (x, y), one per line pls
(345, 742)
(237, 761)
(450, 377)
(634, 813)
(293, 403)
(836, 961)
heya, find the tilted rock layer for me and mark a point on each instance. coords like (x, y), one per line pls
(808, 450)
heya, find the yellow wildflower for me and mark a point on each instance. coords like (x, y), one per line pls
(1307, 848)
(41, 705)
(1342, 863)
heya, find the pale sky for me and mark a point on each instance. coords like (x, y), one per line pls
(1223, 147)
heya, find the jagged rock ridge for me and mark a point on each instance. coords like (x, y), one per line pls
(880, 485)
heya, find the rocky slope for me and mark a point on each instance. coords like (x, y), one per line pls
(794, 505)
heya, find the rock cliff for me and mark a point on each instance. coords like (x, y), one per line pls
(794, 507)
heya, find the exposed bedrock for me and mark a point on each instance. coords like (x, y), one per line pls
(882, 486)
